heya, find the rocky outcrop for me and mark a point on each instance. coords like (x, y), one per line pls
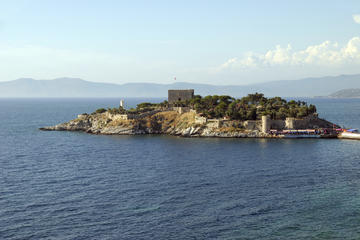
(178, 124)
(169, 122)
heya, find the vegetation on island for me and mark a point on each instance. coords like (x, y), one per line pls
(140, 108)
(251, 107)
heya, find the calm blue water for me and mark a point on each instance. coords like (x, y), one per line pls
(68, 185)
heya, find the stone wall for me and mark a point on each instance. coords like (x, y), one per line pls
(266, 124)
(277, 124)
(311, 122)
(251, 125)
(130, 116)
(214, 123)
(200, 120)
(118, 116)
(290, 123)
(181, 110)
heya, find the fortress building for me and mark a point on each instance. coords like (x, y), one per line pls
(180, 95)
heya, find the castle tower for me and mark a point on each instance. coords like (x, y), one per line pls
(265, 126)
(180, 95)
(290, 123)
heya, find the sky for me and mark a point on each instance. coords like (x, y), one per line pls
(214, 42)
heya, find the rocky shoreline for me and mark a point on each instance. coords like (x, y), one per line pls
(166, 123)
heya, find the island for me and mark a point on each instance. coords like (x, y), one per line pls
(189, 115)
(346, 93)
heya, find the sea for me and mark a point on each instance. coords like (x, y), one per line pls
(73, 185)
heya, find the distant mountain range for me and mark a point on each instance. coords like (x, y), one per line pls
(346, 93)
(75, 87)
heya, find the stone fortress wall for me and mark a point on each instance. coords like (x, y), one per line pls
(309, 122)
(266, 124)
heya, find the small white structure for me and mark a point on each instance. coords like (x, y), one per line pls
(122, 103)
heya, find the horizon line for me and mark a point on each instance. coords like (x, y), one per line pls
(209, 84)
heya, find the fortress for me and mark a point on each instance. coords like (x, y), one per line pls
(180, 95)
(265, 124)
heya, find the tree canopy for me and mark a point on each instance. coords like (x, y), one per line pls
(250, 107)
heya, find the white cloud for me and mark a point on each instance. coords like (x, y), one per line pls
(356, 18)
(326, 54)
(228, 63)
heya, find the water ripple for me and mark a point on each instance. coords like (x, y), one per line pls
(62, 185)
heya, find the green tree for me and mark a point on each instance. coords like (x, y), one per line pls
(220, 110)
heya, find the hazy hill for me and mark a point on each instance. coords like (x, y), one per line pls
(347, 93)
(74, 87)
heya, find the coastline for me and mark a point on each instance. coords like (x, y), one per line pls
(165, 123)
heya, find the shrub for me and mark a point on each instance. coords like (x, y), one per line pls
(100, 110)
(119, 110)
